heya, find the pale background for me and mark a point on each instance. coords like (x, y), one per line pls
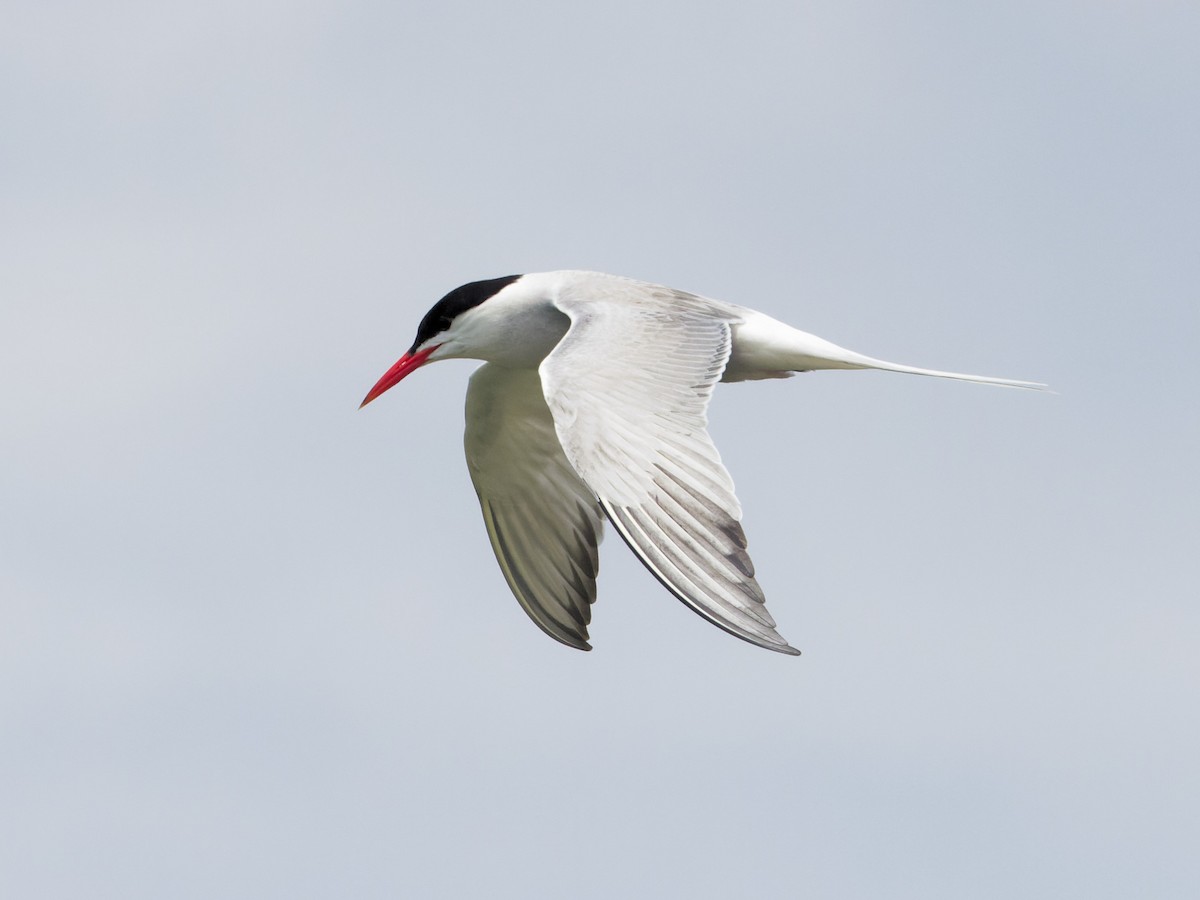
(253, 643)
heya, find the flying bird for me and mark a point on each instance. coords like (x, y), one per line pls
(592, 405)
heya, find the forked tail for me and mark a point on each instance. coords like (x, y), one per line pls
(867, 362)
(771, 346)
(767, 348)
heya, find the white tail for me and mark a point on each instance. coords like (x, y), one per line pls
(767, 348)
(867, 362)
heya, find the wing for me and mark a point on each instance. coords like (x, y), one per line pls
(544, 523)
(628, 387)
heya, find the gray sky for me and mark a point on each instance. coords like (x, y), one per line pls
(254, 642)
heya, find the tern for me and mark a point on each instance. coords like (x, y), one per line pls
(592, 405)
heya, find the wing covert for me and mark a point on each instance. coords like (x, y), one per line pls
(628, 387)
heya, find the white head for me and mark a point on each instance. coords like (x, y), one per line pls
(440, 334)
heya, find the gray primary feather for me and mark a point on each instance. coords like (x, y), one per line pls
(544, 523)
(632, 418)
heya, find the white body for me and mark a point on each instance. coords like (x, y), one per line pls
(520, 325)
(593, 405)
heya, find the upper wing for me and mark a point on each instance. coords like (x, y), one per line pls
(544, 523)
(628, 387)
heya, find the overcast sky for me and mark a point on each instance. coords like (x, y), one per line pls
(253, 642)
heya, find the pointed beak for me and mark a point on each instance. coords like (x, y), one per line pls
(407, 363)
